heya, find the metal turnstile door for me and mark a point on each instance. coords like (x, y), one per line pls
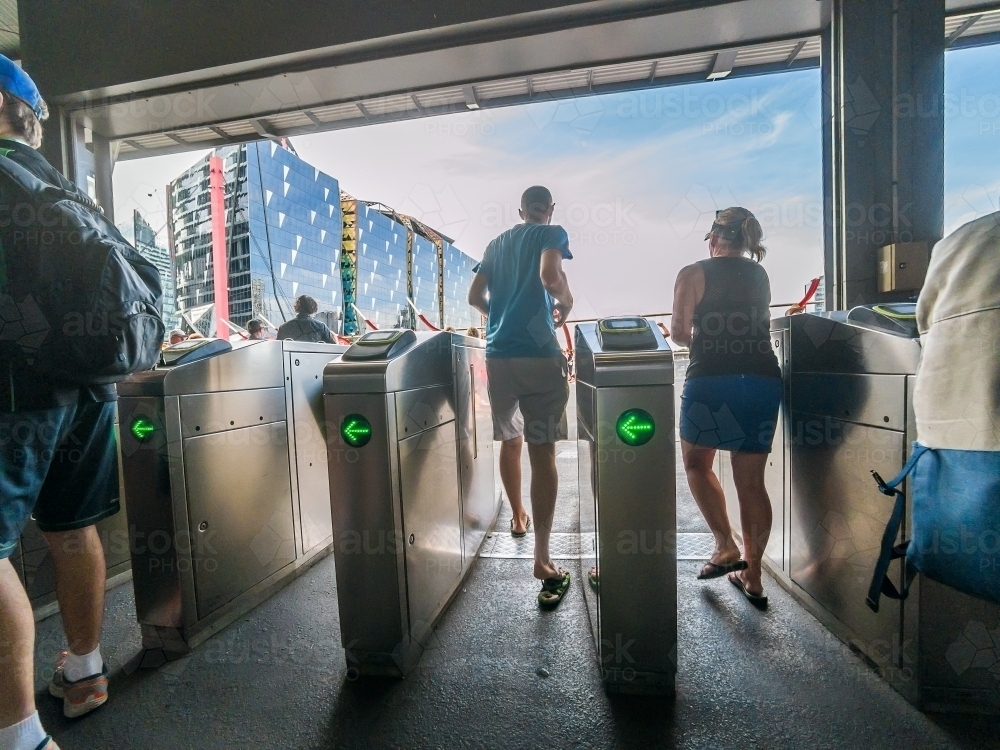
(475, 448)
(309, 446)
(239, 509)
(432, 527)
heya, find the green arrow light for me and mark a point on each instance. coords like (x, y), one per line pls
(142, 428)
(635, 427)
(356, 430)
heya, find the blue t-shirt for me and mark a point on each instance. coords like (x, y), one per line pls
(520, 322)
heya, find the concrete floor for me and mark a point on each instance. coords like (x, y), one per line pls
(278, 678)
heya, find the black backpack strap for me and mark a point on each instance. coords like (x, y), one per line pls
(881, 584)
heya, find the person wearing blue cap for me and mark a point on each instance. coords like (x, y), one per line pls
(58, 462)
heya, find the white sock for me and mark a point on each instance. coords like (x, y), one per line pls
(77, 667)
(25, 735)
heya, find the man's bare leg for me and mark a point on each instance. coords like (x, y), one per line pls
(80, 577)
(17, 649)
(510, 475)
(544, 487)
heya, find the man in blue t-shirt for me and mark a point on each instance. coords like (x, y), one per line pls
(521, 288)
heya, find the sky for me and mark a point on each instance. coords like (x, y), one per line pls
(636, 177)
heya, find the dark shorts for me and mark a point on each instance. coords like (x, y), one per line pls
(60, 466)
(731, 412)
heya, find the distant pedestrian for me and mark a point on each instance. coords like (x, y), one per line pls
(521, 288)
(304, 327)
(473, 332)
(195, 335)
(257, 330)
(177, 336)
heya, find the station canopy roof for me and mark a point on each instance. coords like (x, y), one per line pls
(699, 44)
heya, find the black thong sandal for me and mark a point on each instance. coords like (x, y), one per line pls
(520, 534)
(757, 600)
(717, 570)
(553, 590)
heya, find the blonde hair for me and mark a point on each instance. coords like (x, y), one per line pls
(750, 234)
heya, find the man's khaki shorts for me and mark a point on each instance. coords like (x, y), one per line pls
(529, 396)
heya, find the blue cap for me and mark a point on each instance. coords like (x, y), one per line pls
(15, 81)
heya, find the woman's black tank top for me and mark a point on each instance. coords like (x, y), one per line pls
(732, 322)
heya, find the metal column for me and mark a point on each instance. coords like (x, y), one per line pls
(883, 138)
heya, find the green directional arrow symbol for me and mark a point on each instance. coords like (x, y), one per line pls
(635, 427)
(356, 430)
(142, 428)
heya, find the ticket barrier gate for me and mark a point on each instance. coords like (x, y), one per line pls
(411, 487)
(847, 410)
(626, 462)
(224, 461)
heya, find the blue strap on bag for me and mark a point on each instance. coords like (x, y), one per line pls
(955, 516)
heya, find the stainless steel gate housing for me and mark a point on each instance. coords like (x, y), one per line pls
(224, 465)
(628, 503)
(412, 505)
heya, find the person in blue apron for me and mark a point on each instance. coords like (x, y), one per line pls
(732, 390)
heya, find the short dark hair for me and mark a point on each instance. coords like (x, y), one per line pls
(305, 305)
(21, 118)
(254, 325)
(536, 200)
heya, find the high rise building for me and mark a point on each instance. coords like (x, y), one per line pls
(387, 257)
(455, 283)
(282, 234)
(286, 229)
(144, 238)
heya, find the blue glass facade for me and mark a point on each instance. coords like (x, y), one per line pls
(290, 231)
(295, 234)
(283, 232)
(381, 266)
(456, 280)
(424, 264)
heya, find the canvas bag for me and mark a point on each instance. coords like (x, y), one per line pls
(954, 467)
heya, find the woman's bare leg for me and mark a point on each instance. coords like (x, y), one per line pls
(711, 501)
(755, 514)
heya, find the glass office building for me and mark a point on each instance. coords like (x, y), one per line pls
(291, 231)
(387, 257)
(144, 238)
(283, 235)
(456, 279)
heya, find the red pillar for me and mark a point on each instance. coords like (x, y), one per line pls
(220, 263)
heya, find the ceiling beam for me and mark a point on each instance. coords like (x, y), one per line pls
(965, 26)
(723, 64)
(795, 52)
(471, 100)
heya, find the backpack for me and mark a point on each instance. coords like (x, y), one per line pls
(954, 524)
(81, 305)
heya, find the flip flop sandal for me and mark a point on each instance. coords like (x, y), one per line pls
(520, 534)
(757, 600)
(553, 591)
(717, 570)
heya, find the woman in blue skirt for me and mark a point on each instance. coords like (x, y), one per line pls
(732, 391)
